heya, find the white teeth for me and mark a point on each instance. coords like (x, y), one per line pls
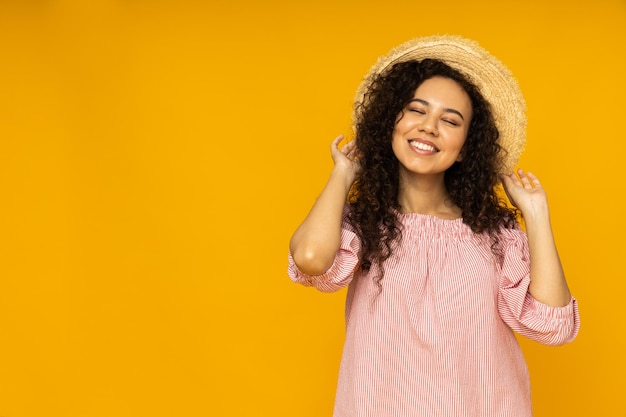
(422, 146)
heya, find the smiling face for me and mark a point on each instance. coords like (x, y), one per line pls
(431, 130)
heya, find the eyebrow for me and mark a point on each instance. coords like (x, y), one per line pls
(447, 110)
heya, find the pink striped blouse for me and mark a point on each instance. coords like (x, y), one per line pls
(438, 340)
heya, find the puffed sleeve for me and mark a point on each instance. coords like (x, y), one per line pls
(519, 309)
(341, 271)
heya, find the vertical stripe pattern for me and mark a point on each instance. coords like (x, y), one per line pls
(438, 340)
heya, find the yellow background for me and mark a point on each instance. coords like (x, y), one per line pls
(155, 157)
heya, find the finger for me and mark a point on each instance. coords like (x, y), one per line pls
(353, 152)
(350, 150)
(534, 179)
(348, 146)
(524, 178)
(335, 143)
(508, 184)
(510, 180)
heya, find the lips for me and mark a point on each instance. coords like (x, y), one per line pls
(423, 146)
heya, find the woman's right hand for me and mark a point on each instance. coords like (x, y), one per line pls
(346, 157)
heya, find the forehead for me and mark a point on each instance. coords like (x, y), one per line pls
(442, 86)
(443, 91)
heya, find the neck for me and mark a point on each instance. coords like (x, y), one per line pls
(426, 194)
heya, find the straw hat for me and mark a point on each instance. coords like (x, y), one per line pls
(493, 79)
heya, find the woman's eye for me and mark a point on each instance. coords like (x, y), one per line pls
(451, 122)
(420, 111)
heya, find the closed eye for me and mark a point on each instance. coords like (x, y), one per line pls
(446, 110)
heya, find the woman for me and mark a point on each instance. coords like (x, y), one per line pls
(439, 271)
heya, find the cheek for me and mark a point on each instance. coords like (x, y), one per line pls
(396, 143)
(398, 133)
(405, 122)
(461, 138)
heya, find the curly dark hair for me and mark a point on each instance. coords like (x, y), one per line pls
(471, 183)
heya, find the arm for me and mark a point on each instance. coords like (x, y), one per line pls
(547, 280)
(315, 242)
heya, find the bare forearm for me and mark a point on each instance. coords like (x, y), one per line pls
(314, 244)
(547, 279)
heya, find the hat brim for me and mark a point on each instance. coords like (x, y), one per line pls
(487, 73)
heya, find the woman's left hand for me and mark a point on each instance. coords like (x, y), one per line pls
(525, 192)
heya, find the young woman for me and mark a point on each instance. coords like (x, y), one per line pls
(439, 272)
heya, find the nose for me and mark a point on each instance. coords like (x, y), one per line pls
(429, 125)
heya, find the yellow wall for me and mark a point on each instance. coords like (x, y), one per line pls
(155, 157)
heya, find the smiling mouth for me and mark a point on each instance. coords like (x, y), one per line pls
(423, 146)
